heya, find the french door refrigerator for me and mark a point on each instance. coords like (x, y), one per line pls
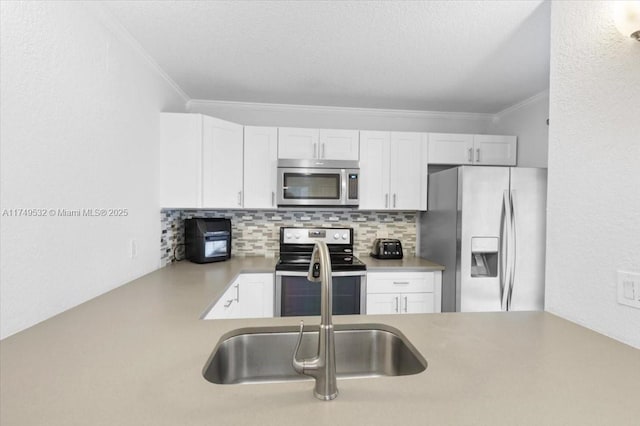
(487, 226)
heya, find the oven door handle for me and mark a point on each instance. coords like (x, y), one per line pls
(333, 274)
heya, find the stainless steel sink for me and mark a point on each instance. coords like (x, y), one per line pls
(260, 355)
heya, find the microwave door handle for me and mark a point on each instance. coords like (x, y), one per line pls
(343, 185)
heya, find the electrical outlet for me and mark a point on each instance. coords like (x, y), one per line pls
(629, 288)
(133, 248)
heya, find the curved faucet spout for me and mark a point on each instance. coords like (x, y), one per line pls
(322, 367)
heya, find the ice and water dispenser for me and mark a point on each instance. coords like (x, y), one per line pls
(484, 256)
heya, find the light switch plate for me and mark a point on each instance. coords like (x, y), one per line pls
(629, 288)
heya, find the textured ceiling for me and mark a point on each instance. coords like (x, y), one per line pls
(470, 56)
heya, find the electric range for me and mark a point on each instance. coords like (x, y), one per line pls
(295, 295)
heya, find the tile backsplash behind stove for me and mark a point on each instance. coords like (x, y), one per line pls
(257, 232)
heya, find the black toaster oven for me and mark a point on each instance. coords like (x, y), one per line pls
(207, 239)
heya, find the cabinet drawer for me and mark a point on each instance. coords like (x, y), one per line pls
(403, 282)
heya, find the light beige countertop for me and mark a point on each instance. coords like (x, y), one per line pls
(407, 263)
(134, 356)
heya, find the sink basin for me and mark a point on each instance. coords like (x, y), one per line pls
(263, 354)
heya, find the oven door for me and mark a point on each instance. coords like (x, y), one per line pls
(295, 295)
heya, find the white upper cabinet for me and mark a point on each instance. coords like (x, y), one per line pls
(374, 170)
(200, 161)
(450, 148)
(338, 144)
(495, 150)
(222, 160)
(408, 171)
(393, 170)
(260, 161)
(326, 144)
(298, 143)
(489, 150)
(180, 165)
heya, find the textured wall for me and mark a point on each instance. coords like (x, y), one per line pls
(593, 226)
(79, 113)
(257, 232)
(527, 120)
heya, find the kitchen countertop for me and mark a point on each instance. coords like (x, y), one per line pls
(407, 263)
(134, 356)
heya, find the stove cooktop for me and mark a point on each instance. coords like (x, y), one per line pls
(338, 263)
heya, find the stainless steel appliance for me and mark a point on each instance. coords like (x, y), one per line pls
(318, 183)
(207, 239)
(386, 248)
(487, 226)
(296, 295)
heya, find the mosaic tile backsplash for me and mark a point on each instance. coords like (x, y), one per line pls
(256, 232)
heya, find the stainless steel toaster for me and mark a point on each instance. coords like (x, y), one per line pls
(386, 248)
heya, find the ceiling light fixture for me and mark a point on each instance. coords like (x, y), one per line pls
(626, 15)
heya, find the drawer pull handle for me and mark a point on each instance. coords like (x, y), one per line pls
(401, 282)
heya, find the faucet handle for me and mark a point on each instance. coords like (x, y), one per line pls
(297, 364)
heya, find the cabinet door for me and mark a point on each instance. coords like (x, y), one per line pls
(227, 306)
(180, 160)
(408, 171)
(374, 170)
(495, 150)
(338, 144)
(417, 303)
(221, 164)
(381, 304)
(450, 148)
(256, 295)
(298, 143)
(260, 162)
(400, 282)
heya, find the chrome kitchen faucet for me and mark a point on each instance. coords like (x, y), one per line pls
(321, 367)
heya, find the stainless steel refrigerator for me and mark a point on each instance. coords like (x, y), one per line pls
(487, 226)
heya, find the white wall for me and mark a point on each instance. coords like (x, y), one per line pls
(79, 122)
(342, 118)
(527, 120)
(594, 168)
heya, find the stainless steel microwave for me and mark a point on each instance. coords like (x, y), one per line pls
(318, 183)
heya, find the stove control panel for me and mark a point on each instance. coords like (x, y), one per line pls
(311, 235)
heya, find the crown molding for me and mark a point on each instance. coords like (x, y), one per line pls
(498, 116)
(370, 112)
(125, 36)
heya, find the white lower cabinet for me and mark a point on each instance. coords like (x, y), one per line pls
(249, 296)
(403, 292)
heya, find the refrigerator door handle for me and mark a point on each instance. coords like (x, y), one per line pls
(512, 249)
(505, 228)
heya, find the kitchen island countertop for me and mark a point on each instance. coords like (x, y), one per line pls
(134, 356)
